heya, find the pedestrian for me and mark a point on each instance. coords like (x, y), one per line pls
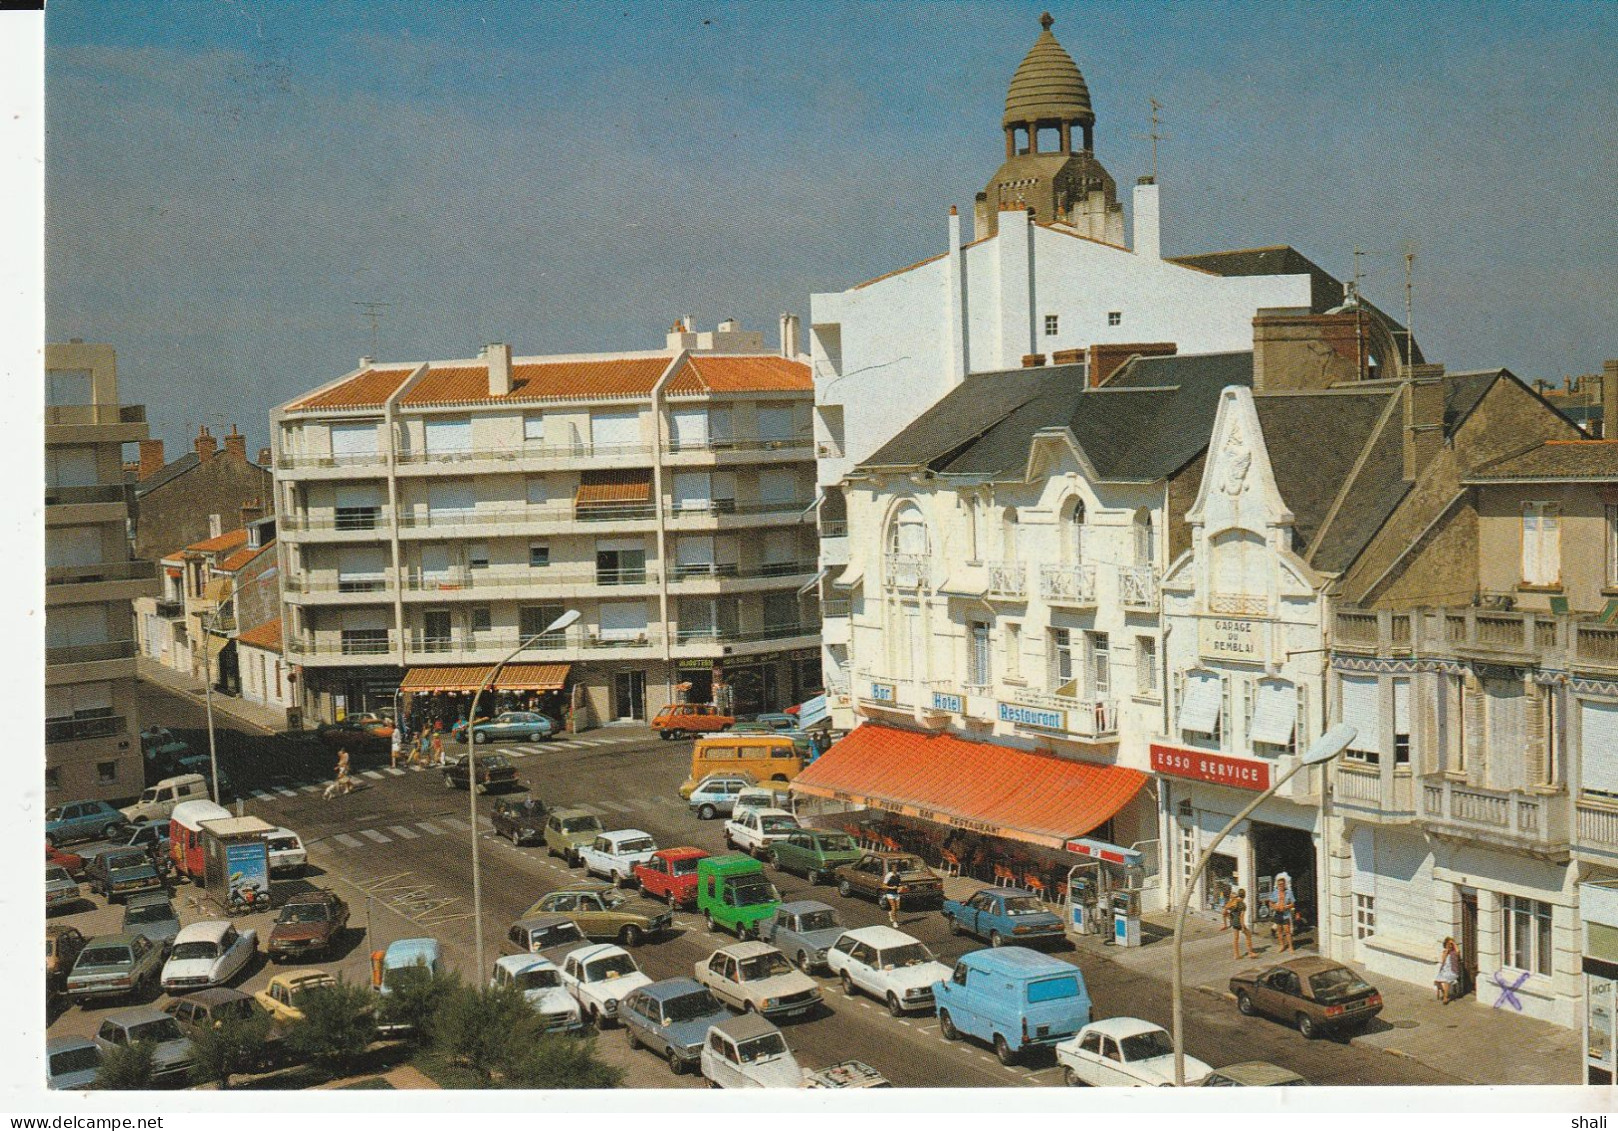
(1284, 909)
(1236, 917)
(419, 758)
(890, 897)
(438, 748)
(342, 783)
(1448, 982)
(396, 747)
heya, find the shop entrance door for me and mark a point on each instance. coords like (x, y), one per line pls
(629, 695)
(1469, 937)
(1218, 881)
(1278, 850)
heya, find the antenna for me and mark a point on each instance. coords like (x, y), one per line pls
(373, 312)
(1359, 317)
(1410, 317)
(1156, 134)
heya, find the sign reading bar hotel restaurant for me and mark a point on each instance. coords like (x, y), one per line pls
(1243, 773)
(1228, 638)
(1033, 717)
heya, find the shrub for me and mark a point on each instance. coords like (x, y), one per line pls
(235, 1045)
(338, 1025)
(128, 1068)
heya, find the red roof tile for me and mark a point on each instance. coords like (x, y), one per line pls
(240, 558)
(364, 390)
(530, 381)
(766, 374)
(222, 544)
(266, 635)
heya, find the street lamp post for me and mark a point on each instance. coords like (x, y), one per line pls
(1324, 749)
(556, 625)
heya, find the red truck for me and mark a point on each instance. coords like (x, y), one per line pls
(671, 875)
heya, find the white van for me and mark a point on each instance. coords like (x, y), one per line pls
(158, 802)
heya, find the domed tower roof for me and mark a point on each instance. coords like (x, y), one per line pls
(1047, 85)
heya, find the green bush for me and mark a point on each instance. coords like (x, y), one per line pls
(479, 1027)
(558, 1061)
(338, 1025)
(414, 998)
(128, 1068)
(235, 1045)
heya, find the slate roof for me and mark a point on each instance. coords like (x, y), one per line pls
(1462, 393)
(1325, 291)
(169, 471)
(1554, 459)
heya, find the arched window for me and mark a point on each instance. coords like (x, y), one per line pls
(1072, 536)
(1145, 548)
(1008, 534)
(908, 532)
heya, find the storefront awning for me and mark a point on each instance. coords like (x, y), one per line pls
(990, 789)
(468, 678)
(605, 488)
(813, 711)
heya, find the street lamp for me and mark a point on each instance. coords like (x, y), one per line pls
(1324, 749)
(556, 625)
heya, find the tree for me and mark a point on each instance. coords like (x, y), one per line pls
(555, 1060)
(414, 998)
(338, 1025)
(126, 1068)
(233, 1045)
(480, 1027)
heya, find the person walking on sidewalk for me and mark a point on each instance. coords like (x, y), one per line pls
(1448, 981)
(1236, 916)
(396, 747)
(438, 748)
(1284, 909)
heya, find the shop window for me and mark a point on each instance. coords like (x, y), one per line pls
(106, 772)
(1525, 931)
(1364, 916)
(1145, 665)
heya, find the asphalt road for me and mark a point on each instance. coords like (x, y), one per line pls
(397, 849)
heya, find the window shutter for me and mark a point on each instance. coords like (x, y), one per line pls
(353, 440)
(1200, 706)
(444, 436)
(1362, 711)
(615, 429)
(1550, 546)
(691, 491)
(1275, 713)
(622, 620)
(358, 495)
(1598, 746)
(775, 423)
(690, 428)
(1401, 706)
(777, 486)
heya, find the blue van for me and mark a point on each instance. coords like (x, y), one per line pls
(404, 959)
(1013, 998)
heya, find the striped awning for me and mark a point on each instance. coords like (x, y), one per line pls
(470, 677)
(603, 487)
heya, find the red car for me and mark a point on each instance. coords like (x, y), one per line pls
(671, 875)
(72, 861)
(681, 720)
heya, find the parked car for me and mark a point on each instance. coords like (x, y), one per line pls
(672, 1018)
(494, 771)
(1253, 1074)
(763, 757)
(889, 965)
(162, 752)
(605, 913)
(172, 1055)
(1315, 994)
(614, 855)
(121, 965)
(82, 820)
(772, 796)
(280, 996)
(208, 1008)
(71, 1063)
(539, 980)
(681, 720)
(754, 830)
(288, 857)
(776, 720)
(567, 831)
(599, 977)
(733, 894)
(404, 960)
(804, 931)
(846, 1074)
(202, 764)
(208, 953)
(310, 922)
(1123, 1052)
(1002, 915)
(913, 881)
(510, 726)
(670, 874)
(120, 873)
(152, 915)
(158, 801)
(72, 861)
(550, 936)
(62, 946)
(814, 854)
(749, 1052)
(60, 889)
(715, 795)
(357, 732)
(521, 819)
(757, 978)
(1013, 998)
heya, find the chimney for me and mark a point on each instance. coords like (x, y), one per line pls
(1423, 417)
(689, 324)
(1105, 360)
(236, 444)
(1147, 231)
(151, 458)
(215, 529)
(367, 362)
(1609, 399)
(266, 457)
(789, 335)
(729, 326)
(498, 355)
(1033, 360)
(205, 444)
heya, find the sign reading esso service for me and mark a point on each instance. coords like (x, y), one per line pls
(1243, 773)
(1231, 638)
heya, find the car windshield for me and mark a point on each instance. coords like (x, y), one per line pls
(818, 920)
(301, 988)
(128, 858)
(494, 762)
(284, 844)
(397, 976)
(684, 867)
(1335, 985)
(581, 825)
(561, 933)
(838, 843)
(778, 824)
(303, 913)
(767, 1047)
(639, 844)
(151, 913)
(909, 865)
(910, 954)
(57, 875)
(613, 966)
(1053, 989)
(1023, 905)
(157, 1029)
(76, 1060)
(759, 891)
(764, 966)
(54, 813)
(1144, 1046)
(542, 978)
(104, 956)
(149, 795)
(689, 1007)
(199, 949)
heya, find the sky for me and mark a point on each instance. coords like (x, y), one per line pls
(227, 181)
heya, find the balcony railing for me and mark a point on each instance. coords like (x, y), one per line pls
(1087, 718)
(1137, 586)
(834, 530)
(700, 633)
(1571, 640)
(1068, 584)
(101, 571)
(731, 506)
(377, 643)
(1353, 783)
(94, 493)
(348, 518)
(1598, 822)
(743, 444)
(528, 451)
(78, 730)
(90, 653)
(830, 609)
(698, 571)
(82, 414)
(907, 571)
(1508, 816)
(1007, 579)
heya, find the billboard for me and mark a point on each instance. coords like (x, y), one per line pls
(247, 871)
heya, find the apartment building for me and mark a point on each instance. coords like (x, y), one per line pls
(434, 515)
(92, 724)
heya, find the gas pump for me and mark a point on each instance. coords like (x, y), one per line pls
(1085, 911)
(1125, 918)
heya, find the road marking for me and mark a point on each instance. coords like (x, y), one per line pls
(673, 802)
(592, 810)
(620, 808)
(430, 828)
(310, 788)
(571, 745)
(902, 1021)
(396, 771)
(285, 792)
(401, 831)
(374, 775)
(595, 742)
(261, 795)
(348, 841)
(1010, 1069)
(458, 823)
(376, 836)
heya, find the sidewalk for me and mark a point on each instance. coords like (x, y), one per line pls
(269, 720)
(1466, 1039)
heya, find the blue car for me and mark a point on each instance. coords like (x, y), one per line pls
(510, 726)
(1013, 999)
(672, 1018)
(71, 1062)
(82, 820)
(1002, 915)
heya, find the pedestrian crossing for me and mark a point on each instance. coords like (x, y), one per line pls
(453, 826)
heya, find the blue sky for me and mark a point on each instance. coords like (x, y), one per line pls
(226, 180)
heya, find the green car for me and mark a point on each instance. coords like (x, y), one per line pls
(567, 831)
(813, 853)
(733, 893)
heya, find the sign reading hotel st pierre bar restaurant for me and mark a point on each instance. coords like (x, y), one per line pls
(1179, 762)
(1231, 638)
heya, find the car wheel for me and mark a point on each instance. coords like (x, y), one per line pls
(676, 1065)
(708, 915)
(109, 832)
(1244, 1004)
(848, 985)
(536, 737)
(632, 935)
(814, 876)
(749, 1008)
(894, 1007)
(729, 843)
(707, 813)
(480, 737)
(995, 940)
(1307, 1027)
(947, 1027)
(1002, 1051)
(845, 889)
(449, 782)
(803, 961)
(1072, 1079)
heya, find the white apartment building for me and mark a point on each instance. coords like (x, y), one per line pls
(436, 514)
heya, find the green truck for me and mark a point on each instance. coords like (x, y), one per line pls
(733, 893)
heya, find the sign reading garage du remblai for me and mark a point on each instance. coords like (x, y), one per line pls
(1243, 773)
(1230, 638)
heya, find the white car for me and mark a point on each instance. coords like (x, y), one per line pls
(207, 954)
(749, 1052)
(756, 977)
(287, 854)
(540, 983)
(754, 830)
(1123, 1052)
(599, 978)
(889, 965)
(613, 856)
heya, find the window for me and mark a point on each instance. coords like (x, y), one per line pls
(1141, 529)
(1050, 325)
(534, 619)
(446, 437)
(538, 496)
(1598, 746)
(1274, 716)
(1072, 547)
(1525, 931)
(1364, 916)
(780, 612)
(978, 673)
(1202, 704)
(1115, 317)
(482, 618)
(1452, 723)
(1013, 651)
(1541, 544)
(477, 556)
(1100, 664)
(1362, 710)
(539, 556)
(106, 772)
(1401, 722)
(533, 428)
(908, 534)
(1612, 546)
(53, 777)
(1061, 679)
(1146, 665)
(364, 641)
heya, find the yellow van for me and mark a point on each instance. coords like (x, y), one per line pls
(762, 757)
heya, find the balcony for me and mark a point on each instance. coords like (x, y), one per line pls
(1536, 823)
(92, 414)
(1572, 641)
(700, 634)
(907, 571)
(1007, 579)
(90, 653)
(102, 581)
(94, 493)
(1071, 585)
(1358, 789)
(170, 610)
(1078, 718)
(834, 530)
(799, 444)
(1597, 819)
(329, 647)
(81, 730)
(1137, 586)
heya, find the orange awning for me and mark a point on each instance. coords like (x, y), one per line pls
(997, 790)
(603, 487)
(470, 677)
